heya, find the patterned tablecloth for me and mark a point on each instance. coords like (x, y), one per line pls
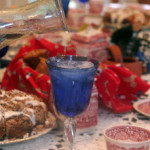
(93, 140)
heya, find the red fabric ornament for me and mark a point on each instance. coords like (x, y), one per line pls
(20, 76)
(118, 87)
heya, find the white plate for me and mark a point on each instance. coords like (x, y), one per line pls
(141, 106)
(45, 131)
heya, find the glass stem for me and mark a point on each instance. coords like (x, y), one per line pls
(70, 130)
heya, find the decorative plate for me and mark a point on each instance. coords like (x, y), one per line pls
(41, 133)
(143, 107)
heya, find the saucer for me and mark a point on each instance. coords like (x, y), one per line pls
(143, 107)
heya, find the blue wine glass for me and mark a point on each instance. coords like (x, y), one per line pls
(72, 80)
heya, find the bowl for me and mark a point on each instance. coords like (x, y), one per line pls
(127, 137)
(131, 63)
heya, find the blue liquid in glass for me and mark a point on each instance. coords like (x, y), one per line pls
(71, 86)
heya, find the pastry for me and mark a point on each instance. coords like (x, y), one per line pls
(32, 57)
(42, 66)
(21, 114)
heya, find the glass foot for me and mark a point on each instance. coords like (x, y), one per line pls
(70, 130)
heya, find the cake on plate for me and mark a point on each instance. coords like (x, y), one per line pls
(22, 115)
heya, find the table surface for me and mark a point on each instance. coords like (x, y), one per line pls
(93, 140)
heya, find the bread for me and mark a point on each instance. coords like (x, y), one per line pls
(42, 66)
(36, 59)
(22, 115)
(32, 58)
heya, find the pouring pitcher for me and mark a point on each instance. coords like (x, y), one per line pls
(41, 16)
